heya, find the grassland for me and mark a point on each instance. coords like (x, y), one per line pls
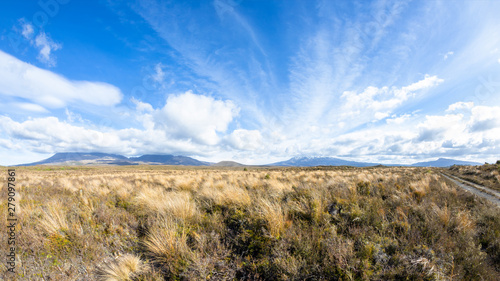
(171, 223)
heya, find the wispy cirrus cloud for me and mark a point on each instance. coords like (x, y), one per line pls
(344, 72)
(229, 70)
(383, 81)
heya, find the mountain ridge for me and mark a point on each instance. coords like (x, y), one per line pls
(99, 158)
(311, 161)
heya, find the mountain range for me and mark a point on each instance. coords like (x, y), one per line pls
(444, 162)
(98, 158)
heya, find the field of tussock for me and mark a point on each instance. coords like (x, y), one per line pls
(171, 223)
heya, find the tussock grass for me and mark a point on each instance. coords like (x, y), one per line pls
(156, 201)
(226, 195)
(53, 220)
(123, 268)
(275, 216)
(166, 244)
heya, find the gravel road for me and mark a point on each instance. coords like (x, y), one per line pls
(491, 195)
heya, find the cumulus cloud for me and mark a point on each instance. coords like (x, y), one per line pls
(474, 132)
(45, 88)
(407, 135)
(195, 116)
(436, 126)
(484, 118)
(142, 106)
(245, 139)
(378, 103)
(187, 124)
(459, 106)
(50, 135)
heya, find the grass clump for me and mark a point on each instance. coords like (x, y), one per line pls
(122, 268)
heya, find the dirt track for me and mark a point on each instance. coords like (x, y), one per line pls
(489, 194)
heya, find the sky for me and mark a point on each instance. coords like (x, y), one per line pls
(253, 81)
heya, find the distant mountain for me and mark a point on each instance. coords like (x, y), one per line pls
(168, 160)
(320, 161)
(80, 158)
(97, 158)
(445, 162)
(227, 164)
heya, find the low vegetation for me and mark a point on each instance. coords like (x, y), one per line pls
(171, 223)
(487, 175)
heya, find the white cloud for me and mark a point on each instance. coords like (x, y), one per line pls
(27, 31)
(142, 106)
(188, 124)
(29, 107)
(474, 133)
(42, 42)
(159, 75)
(380, 115)
(435, 127)
(377, 103)
(398, 120)
(447, 55)
(72, 117)
(484, 118)
(459, 106)
(45, 88)
(245, 139)
(195, 116)
(428, 82)
(46, 46)
(50, 135)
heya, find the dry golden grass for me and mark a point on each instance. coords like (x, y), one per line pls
(226, 194)
(175, 223)
(166, 242)
(273, 213)
(156, 201)
(123, 268)
(53, 220)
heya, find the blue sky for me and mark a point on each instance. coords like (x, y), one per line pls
(251, 81)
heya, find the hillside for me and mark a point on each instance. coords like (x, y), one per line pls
(320, 161)
(445, 162)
